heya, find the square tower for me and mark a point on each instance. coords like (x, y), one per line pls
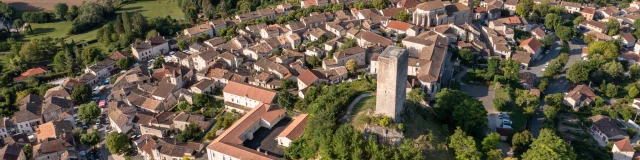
(392, 82)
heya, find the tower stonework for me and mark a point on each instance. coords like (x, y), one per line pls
(392, 82)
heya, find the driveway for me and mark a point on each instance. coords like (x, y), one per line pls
(558, 85)
(485, 95)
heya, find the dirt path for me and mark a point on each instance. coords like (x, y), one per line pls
(347, 115)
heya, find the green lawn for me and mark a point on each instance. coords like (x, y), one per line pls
(149, 9)
(364, 104)
(155, 8)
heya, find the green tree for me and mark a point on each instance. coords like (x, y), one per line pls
(613, 69)
(90, 139)
(380, 4)
(286, 99)
(579, 72)
(416, 95)
(190, 132)
(61, 10)
(590, 38)
(565, 33)
(60, 62)
(351, 66)
(549, 146)
(578, 20)
(494, 154)
(401, 16)
(491, 141)
(552, 21)
(469, 112)
(612, 90)
(125, 63)
(117, 143)
(634, 71)
(608, 49)
(81, 93)
(524, 7)
(551, 111)
(191, 14)
(633, 92)
(614, 27)
(183, 45)
(183, 106)
(6, 10)
(548, 41)
(500, 104)
(88, 112)
(522, 140)
(201, 101)
(157, 63)
(73, 13)
(27, 149)
(466, 55)
(554, 99)
(464, 146)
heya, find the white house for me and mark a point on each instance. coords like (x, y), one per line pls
(150, 49)
(622, 150)
(606, 129)
(243, 97)
(293, 131)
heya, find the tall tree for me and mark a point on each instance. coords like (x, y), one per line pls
(61, 10)
(401, 16)
(613, 69)
(614, 27)
(579, 72)
(549, 146)
(117, 143)
(464, 146)
(522, 140)
(88, 112)
(608, 49)
(565, 33)
(351, 66)
(491, 141)
(469, 112)
(190, 132)
(551, 21)
(81, 93)
(90, 139)
(634, 71)
(286, 99)
(524, 7)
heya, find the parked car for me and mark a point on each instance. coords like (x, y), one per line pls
(505, 126)
(546, 65)
(503, 115)
(506, 122)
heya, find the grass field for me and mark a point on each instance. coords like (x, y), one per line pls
(157, 8)
(149, 9)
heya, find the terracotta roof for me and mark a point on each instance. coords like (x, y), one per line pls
(409, 3)
(119, 55)
(582, 93)
(430, 5)
(595, 24)
(538, 32)
(296, 128)
(151, 104)
(53, 129)
(57, 91)
(229, 142)
(252, 92)
(624, 145)
(349, 52)
(198, 29)
(389, 12)
(374, 38)
(588, 10)
(118, 117)
(310, 76)
(628, 37)
(399, 25)
(607, 126)
(479, 10)
(533, 43)
(522, 57)
(571, 4)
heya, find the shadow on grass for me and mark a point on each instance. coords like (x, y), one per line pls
(42, 31)
(129, 9)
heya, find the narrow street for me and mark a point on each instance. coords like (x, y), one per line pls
(558, 85)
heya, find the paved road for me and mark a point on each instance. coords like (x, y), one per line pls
(347, 115)
(558, 85)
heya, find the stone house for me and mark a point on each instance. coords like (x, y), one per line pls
(606, 129)
(579, 96)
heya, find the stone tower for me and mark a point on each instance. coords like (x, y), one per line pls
(392, 82)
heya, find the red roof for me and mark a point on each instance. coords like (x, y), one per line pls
(533, 43)
(624, 145)
(399, 25)
(30, 72)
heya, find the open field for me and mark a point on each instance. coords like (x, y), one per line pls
(157, 8)
(41, 5)
(149, 9)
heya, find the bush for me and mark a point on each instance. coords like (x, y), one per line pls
(385, 121)
(501, 105)
(632, 132)
(37, 17)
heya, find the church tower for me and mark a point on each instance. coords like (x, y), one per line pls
(392, 82)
